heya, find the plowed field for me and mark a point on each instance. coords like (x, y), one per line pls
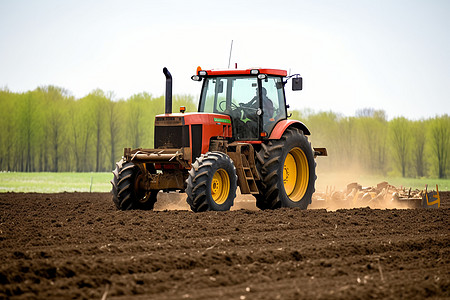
(77, 245)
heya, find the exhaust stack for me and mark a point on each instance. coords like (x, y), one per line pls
(168, 90)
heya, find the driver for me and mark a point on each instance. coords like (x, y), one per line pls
(267, 103)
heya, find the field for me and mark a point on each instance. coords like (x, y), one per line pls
(77, 245)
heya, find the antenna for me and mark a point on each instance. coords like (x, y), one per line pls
(231, 50)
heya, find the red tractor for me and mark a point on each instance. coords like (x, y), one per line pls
(240, 136)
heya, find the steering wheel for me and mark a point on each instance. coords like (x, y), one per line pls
(233, 106)
(220, 105)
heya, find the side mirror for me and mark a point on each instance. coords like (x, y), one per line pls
(297, 84)
(220, 87)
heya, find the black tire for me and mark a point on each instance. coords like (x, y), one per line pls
(125, 190)
(288, 171)
(212, 183)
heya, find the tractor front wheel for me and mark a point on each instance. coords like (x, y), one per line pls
(212, 183)
(126, 191)
(287, 170)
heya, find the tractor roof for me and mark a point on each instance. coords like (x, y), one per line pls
(231, 72)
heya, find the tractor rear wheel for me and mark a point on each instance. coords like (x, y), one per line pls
(287, 170)
(212, 183)
(126, 191)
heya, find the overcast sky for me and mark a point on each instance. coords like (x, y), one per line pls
(386, 54)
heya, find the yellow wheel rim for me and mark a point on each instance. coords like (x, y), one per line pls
(295, 174)
(220, 186)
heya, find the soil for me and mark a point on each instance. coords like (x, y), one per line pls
(78, 245)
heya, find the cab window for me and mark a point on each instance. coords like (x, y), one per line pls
(274, 109)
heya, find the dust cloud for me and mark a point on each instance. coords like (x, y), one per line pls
(343, 189)
(351, 188)
(177, 201)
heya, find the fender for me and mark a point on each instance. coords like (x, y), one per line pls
(281, 127)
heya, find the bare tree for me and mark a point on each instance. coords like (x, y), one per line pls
(114, 127)
(418, 133)
(400, 141)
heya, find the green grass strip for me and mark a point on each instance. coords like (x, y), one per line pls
(54, 182)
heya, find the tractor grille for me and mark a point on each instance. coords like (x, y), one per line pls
(196, 141)
(171, 136)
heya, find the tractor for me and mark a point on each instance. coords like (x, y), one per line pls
(240, 136)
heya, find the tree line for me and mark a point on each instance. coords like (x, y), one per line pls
(47, 129)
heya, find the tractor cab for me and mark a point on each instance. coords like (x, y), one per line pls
(253, 98)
